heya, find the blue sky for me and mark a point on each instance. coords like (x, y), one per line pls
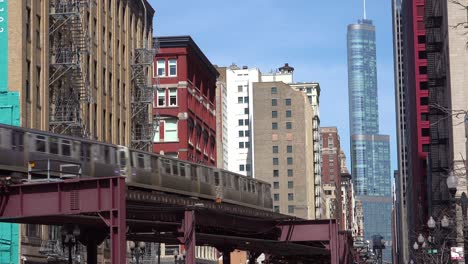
(308, 34)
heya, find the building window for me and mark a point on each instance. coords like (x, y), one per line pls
(241, 144)
(425, 148)
(287, 101)
(240, 100)
(161, 67)
(425, 132)
(274, 114)
(241, 133)
(172, 96)
(276, 208)
(422, 69)
(290, 209)
(422, 55)
(38, 31)
(246, 111)
(276, 197)
(423, 86)
(275, 161)
(172, 67)
(248, 167)
(288, 113)
(247, 133)
(421, 39)
(246, 99)
(289, 149)
(274, 90)
(38, 83)
(28, 24)
(275, 185)
(246, 122)
(288, 125)
(274, 126)
(290, 173)
(28, 82)
(290, 197)
(241, 167)
(239, 88)
(290, 160)
(170, 130)
(424, 101)
(241, 122)
(161, 97)
(424, 117)
(275, 149)
(247, 144)
(290, 184)
(274, 102)
(275, 173)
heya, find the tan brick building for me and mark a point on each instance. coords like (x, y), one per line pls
(59, 45)
(77, 67)
(283, 147)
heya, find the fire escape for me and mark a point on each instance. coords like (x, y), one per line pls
(142, 99)
(438, 105)
(68, 80)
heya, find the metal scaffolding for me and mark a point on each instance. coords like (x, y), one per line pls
(142, 99)
(68, 81)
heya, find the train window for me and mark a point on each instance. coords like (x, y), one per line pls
(53, 145)
(193, 172)
(85, 152)
(216, 178)
(204, 175)
(208, 174)
(182, 169)
(175, 168)
(236, 182)
(167, 166)
(66, 147)
(141, 160)
(244, 183)
(154, 163)
(228, 180)
(123, 159)
(40, 143)
(249, 189)
(17, 141)
(106, 154)
(112, 156)
(254, 189)
(223, 178)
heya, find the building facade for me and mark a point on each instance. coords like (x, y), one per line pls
(283, 147)
(222, 149)
(445, 24)
(370, 152)
(69, 68)
(331, 173)
(185, 101)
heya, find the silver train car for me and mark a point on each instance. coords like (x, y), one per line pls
(141, 169)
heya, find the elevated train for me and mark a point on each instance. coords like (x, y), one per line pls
(141, 169)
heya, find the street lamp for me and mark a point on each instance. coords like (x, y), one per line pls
(70, 236)
(137, 252)
(452, 183)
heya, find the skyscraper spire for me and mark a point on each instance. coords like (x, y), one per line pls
(364, 9)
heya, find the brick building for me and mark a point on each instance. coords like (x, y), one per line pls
(185, 101)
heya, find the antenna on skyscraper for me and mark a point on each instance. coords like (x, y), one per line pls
(364, 9)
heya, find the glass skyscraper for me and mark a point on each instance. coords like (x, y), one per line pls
(370, 151)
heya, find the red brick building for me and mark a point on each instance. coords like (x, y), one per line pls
(184, 101)
(331, 173)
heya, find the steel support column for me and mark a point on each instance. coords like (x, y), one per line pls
(189, 237)
(226, 256)
(40, 203)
